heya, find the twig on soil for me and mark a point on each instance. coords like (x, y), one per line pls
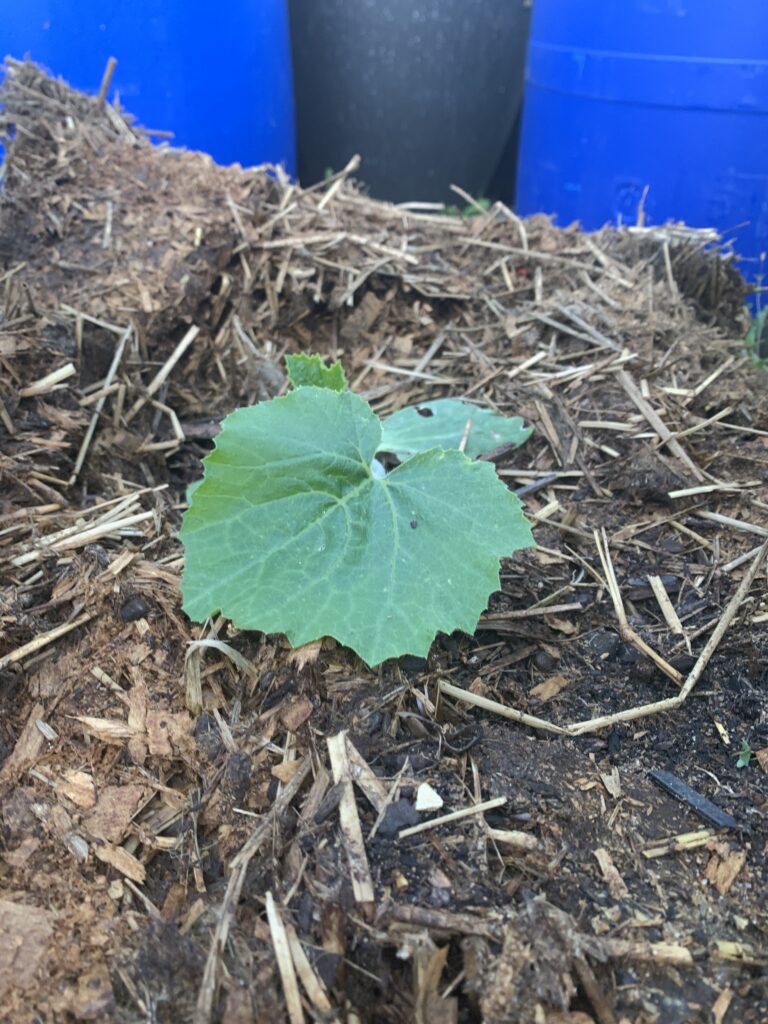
(366, 779)
(671, 703)
(648, 952)
(49, 382)
(449, 922)
(444, 819)
(736, 562)
(350, 168)
(150, 907)
(736, 524)
(498, 709)
(43, 639)
(106, 80)
(494, 619)
(667, 608)
(285, 963)
(692, 492)
(589, 330)
(338, 180)
(389, 798)
(5, 419)
(107, 382)
(311, 983)
(663, 431)
(727, 617)
(625, 629)
(360, 873)
(81, 538)
(593, 991)
(228, 909)
(641, 711)
(164, 372)
(679, 844)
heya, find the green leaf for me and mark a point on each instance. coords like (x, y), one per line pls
(191, 488)
(745, 755)
(473, 209)
(757, 339)
(304, 370)
(442, 424)
(291, 532)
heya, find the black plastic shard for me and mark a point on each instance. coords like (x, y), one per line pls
(700, 804)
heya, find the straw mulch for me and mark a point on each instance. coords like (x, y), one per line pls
(213, 830)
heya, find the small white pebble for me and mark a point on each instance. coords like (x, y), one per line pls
(427, 798)
(116, 890)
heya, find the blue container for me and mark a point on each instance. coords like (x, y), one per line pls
(671, 95)
(217, 75)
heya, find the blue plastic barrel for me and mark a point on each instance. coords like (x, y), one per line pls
(668, 95)
(217, 75)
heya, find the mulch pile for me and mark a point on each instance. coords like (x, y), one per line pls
(202, 825)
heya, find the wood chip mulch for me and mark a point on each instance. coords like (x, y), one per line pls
(549, 821)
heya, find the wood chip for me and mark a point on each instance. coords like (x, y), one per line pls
(366, 779)
(285, 770)
(549, 688)
(169, 734)
(681, 843)
(669, 953)
(310, 980)
(721, 1005)
(19, 856)
(78, 787)
(307, 654)
(108, 730)
(612, 782)
(723, 871)
(525, 842)
(121, 860)
(616, 884)
(28, 747)
(114, 811)
(294, 714)
(26, 932)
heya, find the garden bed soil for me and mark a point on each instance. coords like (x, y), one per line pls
(211, 831)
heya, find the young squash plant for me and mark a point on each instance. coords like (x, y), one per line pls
(297, 527)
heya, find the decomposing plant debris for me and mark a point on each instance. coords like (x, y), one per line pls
(202, 825)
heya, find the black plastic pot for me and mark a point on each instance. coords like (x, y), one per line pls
(427, 91)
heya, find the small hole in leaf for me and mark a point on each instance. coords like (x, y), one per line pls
(424, 412)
